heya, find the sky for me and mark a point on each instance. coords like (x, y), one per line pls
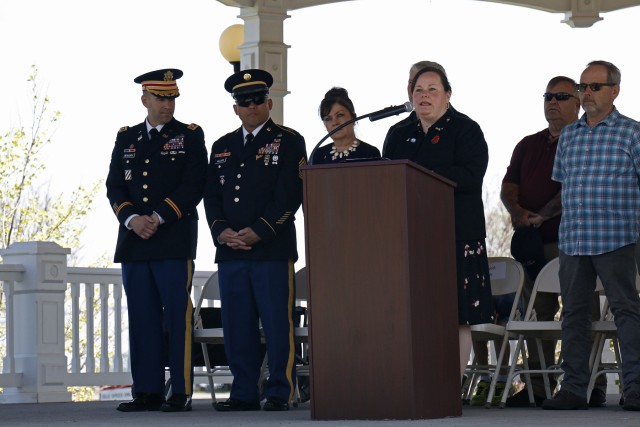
(499, 59)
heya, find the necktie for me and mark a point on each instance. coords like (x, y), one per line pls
(154, 133)
(248, 139)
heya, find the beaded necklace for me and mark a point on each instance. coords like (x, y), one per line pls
(345, 153)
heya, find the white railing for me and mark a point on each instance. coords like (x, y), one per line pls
(111, 311)
(63, 326)
(9, 274)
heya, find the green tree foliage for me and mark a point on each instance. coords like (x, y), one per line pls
(28, 210)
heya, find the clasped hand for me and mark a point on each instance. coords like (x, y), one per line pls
(526, 218)
(242, 240)
(145, 226)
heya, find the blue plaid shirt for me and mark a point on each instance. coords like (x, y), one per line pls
(599, 169)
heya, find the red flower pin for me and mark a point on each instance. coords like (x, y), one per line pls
(435, 139)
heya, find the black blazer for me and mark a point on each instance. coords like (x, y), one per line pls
(455, 148)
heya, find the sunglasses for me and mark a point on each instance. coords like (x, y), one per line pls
(560, 96)
(581, 87)
(246, 101)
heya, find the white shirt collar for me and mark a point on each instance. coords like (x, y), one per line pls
(149, 127)
(255, 131)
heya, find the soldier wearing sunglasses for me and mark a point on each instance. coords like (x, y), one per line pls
(598, 164)
(253, 190)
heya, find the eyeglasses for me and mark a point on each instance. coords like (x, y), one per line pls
(581, 87)
(560, 96)
(246, 101)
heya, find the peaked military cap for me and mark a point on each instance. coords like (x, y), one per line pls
(161, 82)
(248, 81)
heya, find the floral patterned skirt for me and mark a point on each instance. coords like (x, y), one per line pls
(474, 286)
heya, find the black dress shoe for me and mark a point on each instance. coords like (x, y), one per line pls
(631, 401)
(521, 400)
(232, 404)
(177, 403)
(275, 404)
(565, 400)
(598, 399)
(142, 402)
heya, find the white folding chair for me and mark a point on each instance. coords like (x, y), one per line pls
(605, 329)
(531, 330)
(507, 277)
(210, 297)
(301, 335)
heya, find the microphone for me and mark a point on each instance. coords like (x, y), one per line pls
(376, 115)
(391, 111)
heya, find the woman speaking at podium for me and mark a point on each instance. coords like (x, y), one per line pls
(453, 146)
(335, 109)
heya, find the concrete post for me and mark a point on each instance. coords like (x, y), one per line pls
(264, 48)
(39, 326)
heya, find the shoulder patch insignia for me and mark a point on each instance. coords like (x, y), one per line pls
(123, 129)
(193, 126)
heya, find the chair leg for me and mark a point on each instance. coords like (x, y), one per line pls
(472, 378)
(207, 363)
(594, 360)
(517, 350)
(496, 372)
(545, 375)
(527, 375)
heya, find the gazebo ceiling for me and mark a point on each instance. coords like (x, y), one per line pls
(578, 13)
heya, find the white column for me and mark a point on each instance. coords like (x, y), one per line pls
(264, 47)
(39, 326)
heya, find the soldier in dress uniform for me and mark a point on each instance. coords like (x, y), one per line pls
(254, 188)
(156, 179)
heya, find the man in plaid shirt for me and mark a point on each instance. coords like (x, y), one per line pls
(598, 164)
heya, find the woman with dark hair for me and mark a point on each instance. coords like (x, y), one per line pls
(453, 146)
(335, 109)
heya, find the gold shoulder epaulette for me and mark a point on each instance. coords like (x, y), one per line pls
(123, 129)
(193, 126)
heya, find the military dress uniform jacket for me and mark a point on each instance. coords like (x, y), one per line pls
(257, 186)
(166, 176)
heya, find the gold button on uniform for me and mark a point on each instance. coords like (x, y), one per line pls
(145, 186)
(239, 176)
(144, 173)
(145, 199)
(146, 160)
(237, 187)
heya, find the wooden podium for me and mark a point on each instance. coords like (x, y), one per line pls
(383, 320)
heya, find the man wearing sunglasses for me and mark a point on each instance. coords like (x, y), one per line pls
(533, 201)
(254, 188)
(598, 164)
